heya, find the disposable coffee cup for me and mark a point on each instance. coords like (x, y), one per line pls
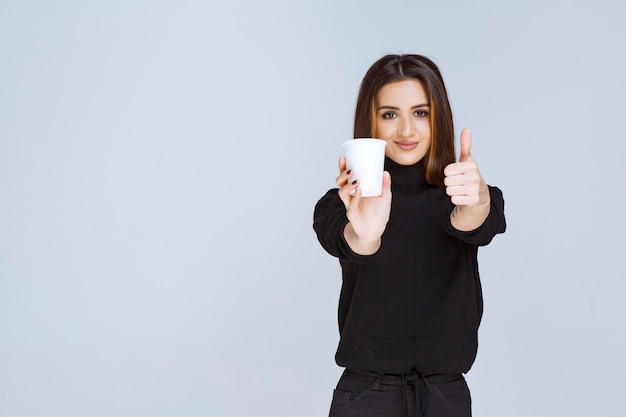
(366, 158)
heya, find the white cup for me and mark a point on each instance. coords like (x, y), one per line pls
(366, 157)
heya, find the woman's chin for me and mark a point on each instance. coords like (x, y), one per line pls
(406, 159)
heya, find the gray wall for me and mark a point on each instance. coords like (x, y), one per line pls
(159, 164)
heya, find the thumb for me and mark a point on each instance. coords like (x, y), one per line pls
(386, 183)
(466, 145)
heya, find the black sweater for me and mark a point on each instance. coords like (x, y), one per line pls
(416, 304)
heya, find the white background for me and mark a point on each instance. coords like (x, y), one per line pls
(159, 164)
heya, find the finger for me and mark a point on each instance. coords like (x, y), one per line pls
(450, 169)
(465, 200)
(466, 145)
(456, 191)
(460, 168)
(347, 192)
(386, 183)
(456, 168)
(343, 178)
(460, 200)
(342, 164)
(454, 180)
(348, 188)
(354, 200)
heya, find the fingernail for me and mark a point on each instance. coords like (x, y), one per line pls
(348, 172)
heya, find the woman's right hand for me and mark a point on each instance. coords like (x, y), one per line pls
(367, 216)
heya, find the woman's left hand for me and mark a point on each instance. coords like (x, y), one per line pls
(463, 181)
(467, 189)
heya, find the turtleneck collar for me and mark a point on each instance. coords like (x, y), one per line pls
(409, 178)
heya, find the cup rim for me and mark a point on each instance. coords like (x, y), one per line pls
(375, 140)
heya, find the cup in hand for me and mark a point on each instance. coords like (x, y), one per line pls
(366, 157)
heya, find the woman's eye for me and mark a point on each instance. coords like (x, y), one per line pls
(421, 113)
(389, 115)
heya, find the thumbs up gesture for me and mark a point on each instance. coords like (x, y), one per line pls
(463, 181)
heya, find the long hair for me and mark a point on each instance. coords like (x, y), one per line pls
(394, 68)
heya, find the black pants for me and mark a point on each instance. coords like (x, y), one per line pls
(367, 394)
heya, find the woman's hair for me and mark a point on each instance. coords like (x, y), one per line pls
(394, 68)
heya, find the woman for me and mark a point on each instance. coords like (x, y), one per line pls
(411, 300)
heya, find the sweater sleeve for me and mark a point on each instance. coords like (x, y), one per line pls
(494, 223)
(329, 221)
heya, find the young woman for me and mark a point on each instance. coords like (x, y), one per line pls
(411, 299)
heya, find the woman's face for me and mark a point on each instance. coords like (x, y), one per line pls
(403, 121)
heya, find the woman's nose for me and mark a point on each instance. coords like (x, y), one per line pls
(405, 128)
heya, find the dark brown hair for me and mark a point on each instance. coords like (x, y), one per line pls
(394, 68)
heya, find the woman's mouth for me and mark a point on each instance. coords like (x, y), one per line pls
(406, 145)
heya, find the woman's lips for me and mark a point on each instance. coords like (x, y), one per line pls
(406, 145)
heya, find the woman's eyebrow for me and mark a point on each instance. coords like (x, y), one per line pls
(417, 106)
